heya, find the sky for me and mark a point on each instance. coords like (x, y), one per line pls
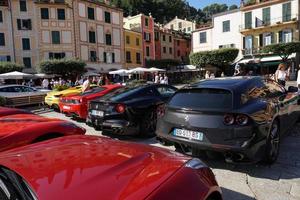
(203, 3)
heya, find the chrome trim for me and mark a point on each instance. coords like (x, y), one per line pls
(195, 163)
(4, 188)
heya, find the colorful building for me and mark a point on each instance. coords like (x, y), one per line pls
(182, 25)
(182, 47)
(164, 43)
(145, 25)
(133, 49)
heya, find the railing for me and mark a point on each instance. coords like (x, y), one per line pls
(259, 23)
(253, 2)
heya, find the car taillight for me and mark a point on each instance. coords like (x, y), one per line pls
(241, 119)
(120, 108)
(161, 110)
(229, 119)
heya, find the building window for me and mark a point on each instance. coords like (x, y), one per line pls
(286, 12)
(128, 57)
(146, 22)
(60, 55)
(203, 37)
(266, 16)
(138, 58)
(23, 6)
(226, 26)
(147, 51)
(137, 42)
(267, 39)
(113, 58)
(44, 13)
(164, 38)
(184, 30)
(55, 37)
(178, 43)
(107, 17)
(91, 13)
(1, 17)
(170, 50)
(285, 36)
(127, 39)
(92, 36)
(189, 29)
(93, 56)
(164, 50)
(2, 39)
(26, 43)
(156, 36)
(170, 38)
(248, 20)
(147, 37)
(108, 39)
(27, 62)
(172, 27)
(178, 53)
(61, 15)
(180, 25)
(105, 57)
(24, 24)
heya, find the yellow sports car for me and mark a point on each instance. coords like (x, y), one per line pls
(52, 98)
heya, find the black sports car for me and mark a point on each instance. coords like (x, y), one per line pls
(241, 117)
(130, 110)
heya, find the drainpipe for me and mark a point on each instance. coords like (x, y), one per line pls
(74, 29)
(12, 30)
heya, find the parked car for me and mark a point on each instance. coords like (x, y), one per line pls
(77, 105)
(52, 98)
(93, 168)
(23, 129)
(130, 110)
(242, 117)
(4, 111)
(12, 89)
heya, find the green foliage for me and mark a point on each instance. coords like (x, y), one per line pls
(284, 50)
(249, 2)
(217, 57)
(60, 87)
(233, 7)
(6, 67)
(165, 10)
(162, 63)
(64, 67)
(2, 101)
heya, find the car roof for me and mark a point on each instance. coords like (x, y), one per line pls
(229, 83)
(12, 85)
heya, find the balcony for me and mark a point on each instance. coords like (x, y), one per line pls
(253, 4)
(51, 1)
(260, 24)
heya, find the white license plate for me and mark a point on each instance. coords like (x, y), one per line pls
(188, 134)
(97, 113)
(66, 107)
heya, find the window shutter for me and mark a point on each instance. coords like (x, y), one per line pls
(273, 38)
(8, 58)
(280, 36)
(19, 24)
(113, 57)
(244, 42)
(261, 40)
(63, 55)
(104, 55)
(29, 24)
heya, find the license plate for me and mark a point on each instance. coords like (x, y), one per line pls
(97, 113)
(188, 134)
(66, 107)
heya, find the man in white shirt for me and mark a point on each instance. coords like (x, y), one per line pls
(156, 78)
(86, 84)
(45, 83)
(298, 78)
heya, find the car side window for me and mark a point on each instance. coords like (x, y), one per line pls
(17, 89)
(165, 91)
(8, 89)
(27, 89)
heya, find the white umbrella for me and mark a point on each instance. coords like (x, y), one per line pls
(153, 69)
(87, 74)
(44, 75)
(15, 75)
(121, 72)
(139, 70)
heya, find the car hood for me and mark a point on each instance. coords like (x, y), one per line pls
(88, 167)
(15, 123)
(11, 111)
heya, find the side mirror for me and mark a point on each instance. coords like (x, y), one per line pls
(292, 89)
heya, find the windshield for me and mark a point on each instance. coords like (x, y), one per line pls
(121, 93)
(203, 99)
(92, 91)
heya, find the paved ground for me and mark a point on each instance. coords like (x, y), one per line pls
(280, 181)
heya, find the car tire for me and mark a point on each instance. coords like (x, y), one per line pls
(148, 123)
(272, 144)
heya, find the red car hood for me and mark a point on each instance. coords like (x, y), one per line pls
(93, 168)
(14, 123)
(11, 111)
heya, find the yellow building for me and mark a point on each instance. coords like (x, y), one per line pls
(133, 49)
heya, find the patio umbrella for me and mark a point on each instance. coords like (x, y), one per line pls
(87, 74)
(15, 75)
(153, 69)
(120, 72)
(139, 70)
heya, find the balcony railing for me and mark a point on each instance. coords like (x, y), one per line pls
(253, 2)
(259, 23)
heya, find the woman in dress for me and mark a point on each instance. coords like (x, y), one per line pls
(281, 75)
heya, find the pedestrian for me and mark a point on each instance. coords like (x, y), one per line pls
(298, 78)
(100, 81)
(166, 79)
(281, 74)
(156, 78)
(212, 76)
(45, 83)
(86, 84)
(207, 75)
(161, 78)
(222, 74)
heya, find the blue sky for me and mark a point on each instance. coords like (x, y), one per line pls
(203, 3)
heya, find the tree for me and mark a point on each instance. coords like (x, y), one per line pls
(214, 9)
(6, 67)
(284, 50)
(64, 67)
(233, 7)
(219, 57)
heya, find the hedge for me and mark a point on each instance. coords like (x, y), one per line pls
(6, 67)
(64, 67)
(216, 57)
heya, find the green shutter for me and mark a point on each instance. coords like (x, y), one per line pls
(248, 20)
(286, 12)
(266, 16)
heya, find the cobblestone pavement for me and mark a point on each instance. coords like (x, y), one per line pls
(280, 181)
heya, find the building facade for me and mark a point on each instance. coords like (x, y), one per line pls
(133, 49)
(181, 25)
(145, 25)
(202, 39)
(182, 47)
(164, 43)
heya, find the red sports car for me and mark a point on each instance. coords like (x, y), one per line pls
(93, 168)
(77, 105)
(4, 111)
(23, 129)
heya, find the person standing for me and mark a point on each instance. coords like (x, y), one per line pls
(45, 83)
(281, 74)
(207, 75)
(86, 84)
(298, 78)
(166, 79)
(156, 78)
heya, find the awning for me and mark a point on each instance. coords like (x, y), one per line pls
(276, 58)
